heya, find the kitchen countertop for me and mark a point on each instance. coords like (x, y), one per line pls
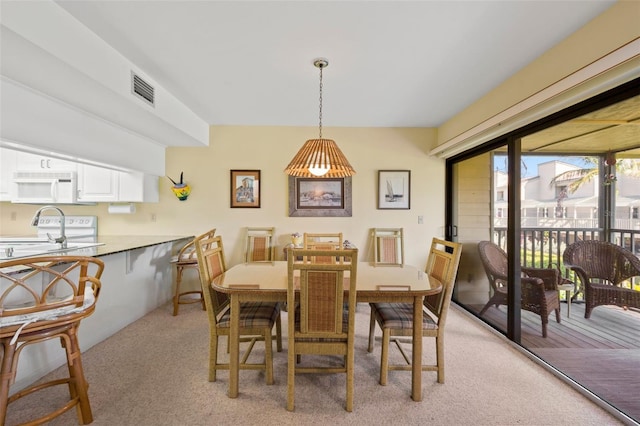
(112, 244)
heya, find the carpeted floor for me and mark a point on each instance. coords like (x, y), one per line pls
(154, 372)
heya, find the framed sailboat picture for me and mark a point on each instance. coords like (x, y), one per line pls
(394, 189)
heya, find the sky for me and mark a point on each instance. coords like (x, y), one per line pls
(530, 166)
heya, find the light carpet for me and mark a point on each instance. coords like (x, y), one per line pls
(154, 372)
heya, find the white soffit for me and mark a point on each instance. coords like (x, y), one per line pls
(616, 68)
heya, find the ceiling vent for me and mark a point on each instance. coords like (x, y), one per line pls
(142, 89)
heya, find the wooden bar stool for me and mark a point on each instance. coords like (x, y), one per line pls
(186, 259)
(43, 298)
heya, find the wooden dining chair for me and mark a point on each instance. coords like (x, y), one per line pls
(44, 298)
(256, 318)
(260, 245)
(388, 246)
(319, 323)
(396, 319)
(328, 241)
(186, 259)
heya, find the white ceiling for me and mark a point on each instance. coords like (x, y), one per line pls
(391, 63)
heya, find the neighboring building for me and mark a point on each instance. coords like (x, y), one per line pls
(547, 205)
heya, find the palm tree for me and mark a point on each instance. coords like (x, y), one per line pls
(578, 177)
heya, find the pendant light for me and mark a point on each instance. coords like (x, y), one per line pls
(320, 157)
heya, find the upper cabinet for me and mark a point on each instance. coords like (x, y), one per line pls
(94, 185)
(28, 161)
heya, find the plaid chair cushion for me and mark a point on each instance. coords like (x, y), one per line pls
(253, 315)
(399, 316)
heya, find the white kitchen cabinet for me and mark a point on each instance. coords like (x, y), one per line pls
(28, 161)
(138, 187)
(7, 166)
(96, 184)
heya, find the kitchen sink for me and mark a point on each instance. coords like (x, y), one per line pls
(12, 249)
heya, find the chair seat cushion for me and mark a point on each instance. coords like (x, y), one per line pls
(253, 315)
(399, 316)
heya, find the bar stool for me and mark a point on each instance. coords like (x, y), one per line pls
(44, 298)
(185, 259)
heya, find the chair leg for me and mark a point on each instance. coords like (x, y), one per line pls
(291, 375)
(544, 326)
(279, 333)
(6, 376)
(350, 379)
(213, 357)
(440, 357)
(176, 296)
(268, 355)
(78, 385)
(558, 314)
(384, 358)
(372, 329)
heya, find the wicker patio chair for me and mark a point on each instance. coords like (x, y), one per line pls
(321, 325)
(43, 298)
(396, 319)
(256, 318)
(601, 268)
(539, 286)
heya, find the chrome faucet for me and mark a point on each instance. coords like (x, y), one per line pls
(62, 239)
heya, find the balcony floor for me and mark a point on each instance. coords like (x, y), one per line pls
(601, 353)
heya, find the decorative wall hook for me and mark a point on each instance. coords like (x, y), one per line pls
(181, 189)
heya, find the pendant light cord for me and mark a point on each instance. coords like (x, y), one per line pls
(320, 115)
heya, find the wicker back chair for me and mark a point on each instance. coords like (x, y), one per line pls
(388, 246)
(601, 267)
(539, 286)
(396, 319)
(332, 241)
(256, 318)
(260, 245)
(321, 326)
(43, 298)
(184, 260)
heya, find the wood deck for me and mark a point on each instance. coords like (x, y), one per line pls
(601, 353)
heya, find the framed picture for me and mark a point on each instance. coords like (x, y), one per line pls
(245, 188)
(324, 197)
(394, 189)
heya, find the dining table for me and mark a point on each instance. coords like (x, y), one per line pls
(267, 281)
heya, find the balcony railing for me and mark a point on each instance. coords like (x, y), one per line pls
(543, 247)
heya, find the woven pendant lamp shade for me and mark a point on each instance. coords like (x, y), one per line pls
(320, 154)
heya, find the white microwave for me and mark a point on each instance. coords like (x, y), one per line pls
(44, 187)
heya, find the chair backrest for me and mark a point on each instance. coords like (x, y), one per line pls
(602, 260)
(495, 263)
(323, 242)
(211, 263)
(187, 253)
(260, 245)
(52, 288)
(321, 293)
(388, 246)
(442, 264)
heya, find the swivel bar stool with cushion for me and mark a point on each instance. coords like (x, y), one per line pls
(43, 298)
(186, 259)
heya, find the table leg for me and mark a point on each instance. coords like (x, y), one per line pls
(234, 346)
(416, 366)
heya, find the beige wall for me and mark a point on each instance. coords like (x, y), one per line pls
(270, 149)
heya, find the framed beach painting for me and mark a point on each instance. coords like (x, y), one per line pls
(319, 197)
(394, 189)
